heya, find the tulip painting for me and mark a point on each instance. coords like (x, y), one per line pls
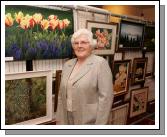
(35, 36)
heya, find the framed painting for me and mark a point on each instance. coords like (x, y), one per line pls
(28, 97)
(130, 35)
(119, 115)
(121, 70)
(105, 34)
(139, 70)
(138, 102)
(57, 86)
(40, 38)
(149, 38)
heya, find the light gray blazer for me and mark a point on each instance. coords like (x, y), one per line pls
(92, 92)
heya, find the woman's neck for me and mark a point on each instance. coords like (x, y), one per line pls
(81, 60)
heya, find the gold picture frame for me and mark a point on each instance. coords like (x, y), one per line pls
(121, 70)
(138, 102)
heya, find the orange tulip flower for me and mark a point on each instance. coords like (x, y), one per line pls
(53, 24)
(30, 20)
(61, 24)
(19, 16)
(44, 24)
(52, 17)
(8, 20)
(37, 17)
(66, 22)
(24, 23)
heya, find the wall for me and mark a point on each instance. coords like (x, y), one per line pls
(148, 12)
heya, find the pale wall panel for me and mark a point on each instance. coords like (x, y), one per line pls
(15, 66)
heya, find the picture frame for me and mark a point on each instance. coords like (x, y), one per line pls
(34, 46)
(149, 38)
(131, 35)
(119, 115)
(105, 34)
(57, 86)
(30, 96)
(121, 71)
(139, 70)
(138, 102)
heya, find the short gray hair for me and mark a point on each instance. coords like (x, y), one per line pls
(86, 33)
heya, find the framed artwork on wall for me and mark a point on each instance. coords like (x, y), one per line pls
(139, 70)
(149, 38)
(121, 70)
(119, 115)
(28, 97)
(47, 34)
(105, 34)
(130, 35)
(138, 102)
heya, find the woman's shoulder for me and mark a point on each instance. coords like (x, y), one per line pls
(98, 59)
(70, 61)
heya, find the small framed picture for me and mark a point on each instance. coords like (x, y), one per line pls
(105, 34)
(119, 115)
(139, 70)
(138, 102)
(130, 35)
(121, 71)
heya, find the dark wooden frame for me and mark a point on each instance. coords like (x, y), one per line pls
(120, 46)
(134, 92)
(57, 86)
(134, 68)
(121, 62)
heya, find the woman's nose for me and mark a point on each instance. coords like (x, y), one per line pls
(80, 44)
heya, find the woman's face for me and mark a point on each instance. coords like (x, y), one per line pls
(82, 47)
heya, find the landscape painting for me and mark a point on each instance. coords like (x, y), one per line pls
(130, 35)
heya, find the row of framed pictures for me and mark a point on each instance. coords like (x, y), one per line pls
(125, 36)
(122, 74)
(136, 107)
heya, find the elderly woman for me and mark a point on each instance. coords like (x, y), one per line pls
(86, 91)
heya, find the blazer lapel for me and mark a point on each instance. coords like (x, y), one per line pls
(84, 69)
(68, 71)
